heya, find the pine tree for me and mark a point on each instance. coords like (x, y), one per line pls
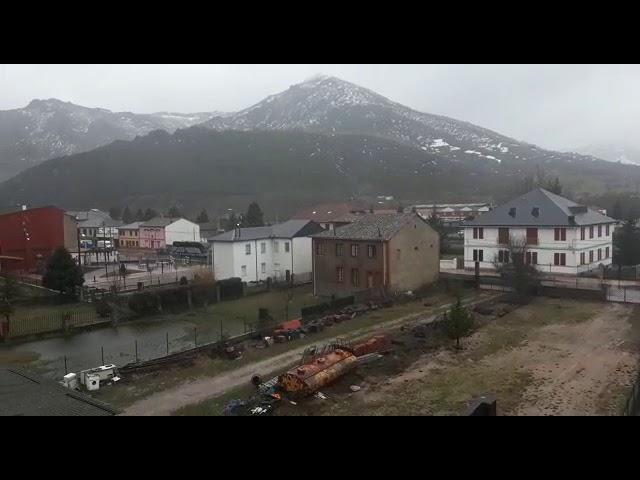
(174, 212)
(628, 243)
(458, 323)
(9, 290)
(203, 217)
(149, 214)
(115, 213)
(254, 217)
(555, 186)
(6, 309)
(139, 215)
(438, 225)
(127, 216)
(232, 221)
(63, 274)
(617, 210)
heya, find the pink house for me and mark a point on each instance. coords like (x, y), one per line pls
(152, 233)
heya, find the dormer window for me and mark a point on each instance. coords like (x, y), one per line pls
(535, 211)
(512, 212)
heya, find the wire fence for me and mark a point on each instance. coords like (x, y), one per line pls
(51, 322)
(138, 350)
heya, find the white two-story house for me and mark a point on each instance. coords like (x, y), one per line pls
(258, 253)
(561, 236)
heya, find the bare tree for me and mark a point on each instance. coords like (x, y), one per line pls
(515, 266)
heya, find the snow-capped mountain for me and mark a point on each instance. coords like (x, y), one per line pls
(51, 128)
(613, 152)
(331, 105)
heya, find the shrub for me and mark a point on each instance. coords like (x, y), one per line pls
(103, 309)
(143, 303)
(203, 288)
(230, 288)
(458, 323)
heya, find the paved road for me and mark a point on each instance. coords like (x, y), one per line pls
(97, 278)
(168, 401)
(569, 281)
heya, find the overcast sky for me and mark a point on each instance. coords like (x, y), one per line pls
(554, 106)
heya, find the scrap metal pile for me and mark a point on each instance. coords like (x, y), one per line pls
(316, 372)
(294, 329)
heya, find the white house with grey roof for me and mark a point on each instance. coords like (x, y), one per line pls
(258, 253)
(561, 236)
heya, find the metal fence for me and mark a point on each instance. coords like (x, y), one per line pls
(52, 322)
(623, 293)
(165, 345)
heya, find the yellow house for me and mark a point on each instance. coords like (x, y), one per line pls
(129, 235)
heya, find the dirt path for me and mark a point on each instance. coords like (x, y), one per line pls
(168, 401)
(578, 368)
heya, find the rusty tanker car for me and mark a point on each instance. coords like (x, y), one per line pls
(309, 378)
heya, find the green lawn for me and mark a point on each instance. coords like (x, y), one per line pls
(236, 315)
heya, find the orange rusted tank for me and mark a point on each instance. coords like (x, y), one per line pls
(376, 344)
(309, 378)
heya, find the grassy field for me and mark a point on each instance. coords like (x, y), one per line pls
(142, 386)
(551, 357)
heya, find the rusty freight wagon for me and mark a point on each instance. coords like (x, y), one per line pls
(310, 377)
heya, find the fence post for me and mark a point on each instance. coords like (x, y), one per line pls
(136, 347)
(102, 354)
(167, 343)
(65, 365)
(195, 336)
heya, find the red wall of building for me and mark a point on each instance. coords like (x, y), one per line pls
(32, 235)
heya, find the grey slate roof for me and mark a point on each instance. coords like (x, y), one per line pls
(23, 393)
(130, 226)
(288, 229)
(94, 219)
(159, 222)
(372, 227)
(553, 210)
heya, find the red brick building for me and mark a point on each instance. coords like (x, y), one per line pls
(29, 237)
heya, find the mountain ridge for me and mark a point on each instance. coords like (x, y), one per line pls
(198, 168)
(327, 104)
(49, 128)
